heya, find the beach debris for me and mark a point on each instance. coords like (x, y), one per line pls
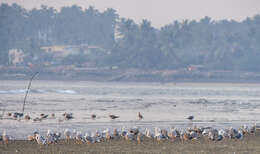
(53, 115)
(28, 89)
(140, 116)
(2, 115)
(113, 116)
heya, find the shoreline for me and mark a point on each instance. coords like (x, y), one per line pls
(69, 73)
(100, 79)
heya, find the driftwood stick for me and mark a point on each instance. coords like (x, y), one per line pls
(28, 88)
(2, 115)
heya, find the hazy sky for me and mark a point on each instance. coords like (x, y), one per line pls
(160, 12)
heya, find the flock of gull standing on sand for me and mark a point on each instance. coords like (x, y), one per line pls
(135, 133)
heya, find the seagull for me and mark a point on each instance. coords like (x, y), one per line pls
(134, 130)
(88, 138)
(194, 135)
(148, 133)
(16, 114)
(98, 136)
(190, 117)
(93, 116)
(40, 140)
(27, 117)
(173, 133)
(115, 132)
(5, 137)
(140, 116)
(74, 133)
(107, 134)
(213, 134)
(129, 136)
(50, 137)
(232, 133)
(56, 136)
(139, 138)
(223, 133)
(165, 133)
(240, 134)
(79, 138)
(44, 116)
(158, 134)
(245, 129)
(113, 116)
(68, 116)
(32, 137)
(67, 134)
(37, 119)
(123, 132)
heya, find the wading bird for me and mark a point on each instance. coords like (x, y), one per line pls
(5, 137)
(140, 116)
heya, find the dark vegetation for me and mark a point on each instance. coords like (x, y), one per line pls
(216, 45)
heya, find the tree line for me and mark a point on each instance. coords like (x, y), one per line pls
(217, 45)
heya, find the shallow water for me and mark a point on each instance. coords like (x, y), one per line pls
(161, 104)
